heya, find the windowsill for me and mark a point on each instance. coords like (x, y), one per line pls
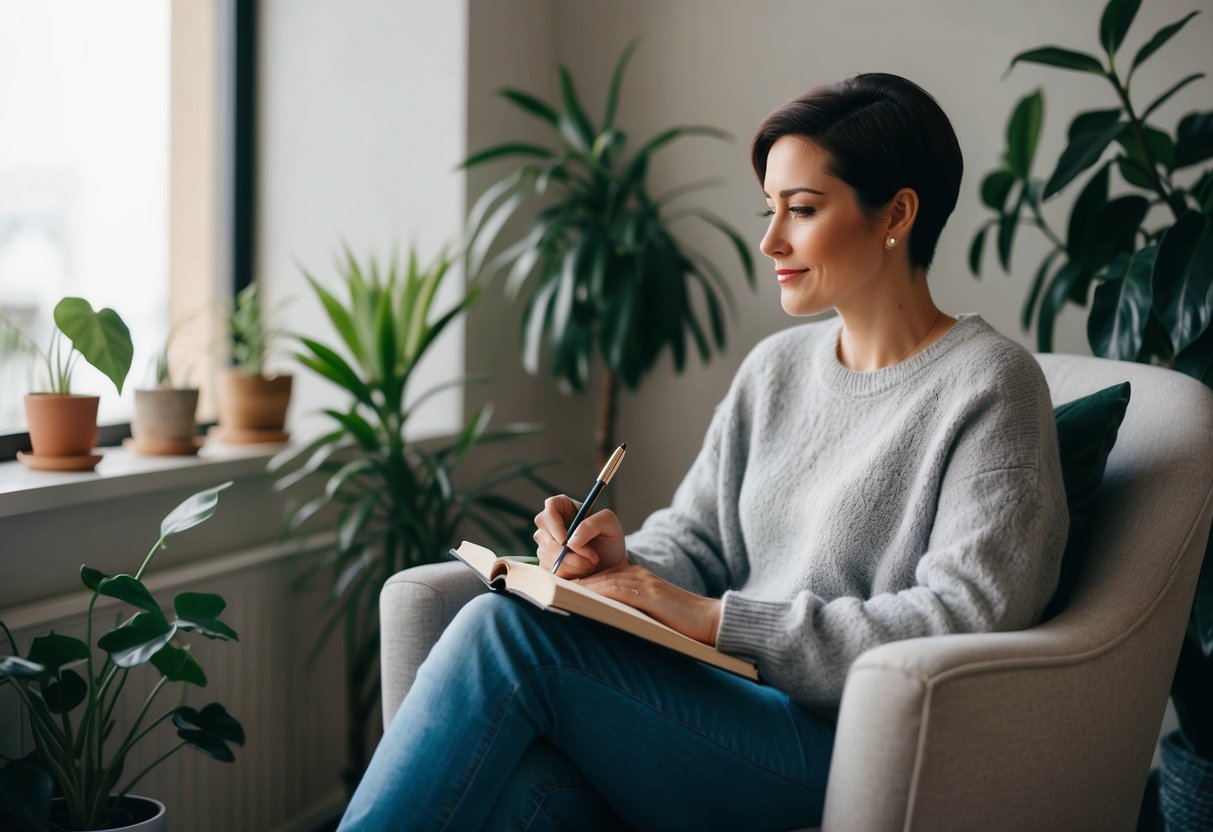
(122, 473)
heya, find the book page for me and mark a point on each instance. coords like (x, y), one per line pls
(477, 557)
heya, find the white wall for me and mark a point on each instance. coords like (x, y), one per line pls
(728, 63)
(361, 112)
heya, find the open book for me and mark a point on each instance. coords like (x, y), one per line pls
(559, 595)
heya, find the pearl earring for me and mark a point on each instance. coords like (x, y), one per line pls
(892, 242)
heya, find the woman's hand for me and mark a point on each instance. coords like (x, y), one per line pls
(597, 543)
(690, 614)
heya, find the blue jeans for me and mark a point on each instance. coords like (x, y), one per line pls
(521, 719)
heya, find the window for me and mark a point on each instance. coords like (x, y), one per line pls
(122, 126)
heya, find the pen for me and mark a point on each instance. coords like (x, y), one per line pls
(604, 476)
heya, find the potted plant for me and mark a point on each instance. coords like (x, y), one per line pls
(1152, 298)
(164, 423)
(396, 500)
(71, 716)
(610, 277)
(62, 425)
(252, 403)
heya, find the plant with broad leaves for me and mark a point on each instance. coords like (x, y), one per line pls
(100, 336)
(610, 277)
(80, 755)
(397, 501)
(1153, 278)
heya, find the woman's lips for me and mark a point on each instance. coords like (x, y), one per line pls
(788, 275)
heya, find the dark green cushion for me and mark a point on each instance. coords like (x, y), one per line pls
(1086, 432)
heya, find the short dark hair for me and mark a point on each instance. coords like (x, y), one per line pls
(882, 133)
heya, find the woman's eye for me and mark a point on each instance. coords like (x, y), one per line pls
(803, 210)
(770, 212)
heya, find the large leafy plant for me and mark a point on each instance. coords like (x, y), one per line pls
(99, 336)
(1148, 252)
(396, 501)
(71, 716)
(609, 276)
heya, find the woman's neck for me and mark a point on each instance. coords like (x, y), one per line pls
(881, 331)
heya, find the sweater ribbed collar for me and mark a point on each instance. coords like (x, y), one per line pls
(848, 382)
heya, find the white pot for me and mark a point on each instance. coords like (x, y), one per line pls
(152, 811)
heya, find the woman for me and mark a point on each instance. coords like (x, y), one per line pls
(887, 474)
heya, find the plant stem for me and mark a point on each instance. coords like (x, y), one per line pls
(1175, 204)
(148, 559)
(151, 726)
(128, 742)
(126, 789)
(11, 640)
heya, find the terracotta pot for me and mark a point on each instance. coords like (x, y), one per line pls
(61, 425)
(253, 403)
(164, 422)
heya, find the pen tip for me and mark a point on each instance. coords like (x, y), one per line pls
(624, 446)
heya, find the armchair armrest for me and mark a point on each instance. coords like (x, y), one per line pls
(415, 606)
(1020, 730)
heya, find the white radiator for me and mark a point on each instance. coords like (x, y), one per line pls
(286, 777)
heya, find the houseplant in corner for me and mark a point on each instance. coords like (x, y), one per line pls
(1153, 293)
(63, 426)
(164, 423)
(610, 277)
(252, 403)
(78, 757)
(398, 503)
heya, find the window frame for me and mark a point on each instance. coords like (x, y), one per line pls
(238, 33)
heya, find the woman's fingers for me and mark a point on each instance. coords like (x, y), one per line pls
(599, 524)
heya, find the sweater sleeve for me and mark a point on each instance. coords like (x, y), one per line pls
(991, 564)
(686, 544)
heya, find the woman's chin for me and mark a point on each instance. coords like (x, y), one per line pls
(799, 306)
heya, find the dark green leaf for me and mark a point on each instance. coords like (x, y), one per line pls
(92, 578)
(1183, 279)
(101, 337)
(529, 103)
(1054, 298)
(575, 124)
(209, 730)
(1092, 121)
(196, 509)
(335, 368)
(1023, 134)
(178, 665)
(1160, 37)
(1085, 217)
(995, 188)
(1117, 225)
(1158, 149)
(66, 693)
(340, 317)
(25, 792)
(1202, 605)
(358, 428)
(608, 118)
(739, 245)
(1158, 102)
(125, 588)
(1197, 360)
(138, 640)
(345, 474)
(1194, 139)
(15, 666)
(508, 149)
(1133, 173)
(1038, 283)
(1117, 17)
(666, 136)
(55, 651)
(1082, 152)
(290, 455)
(1117, 322)
(976, 249)
(198, 612)
(355, 522)
(1056, 56)
(1007, 224)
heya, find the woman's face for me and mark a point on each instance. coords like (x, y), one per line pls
(827, 253)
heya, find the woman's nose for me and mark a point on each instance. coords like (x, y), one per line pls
(773, 244)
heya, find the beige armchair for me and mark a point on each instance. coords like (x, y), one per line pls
(1048, 728)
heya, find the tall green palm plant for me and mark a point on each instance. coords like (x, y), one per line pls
(610, 277)
(396, 501)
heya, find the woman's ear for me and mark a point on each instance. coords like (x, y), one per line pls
(903, 210)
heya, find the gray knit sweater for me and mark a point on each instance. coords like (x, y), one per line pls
(834, 510)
